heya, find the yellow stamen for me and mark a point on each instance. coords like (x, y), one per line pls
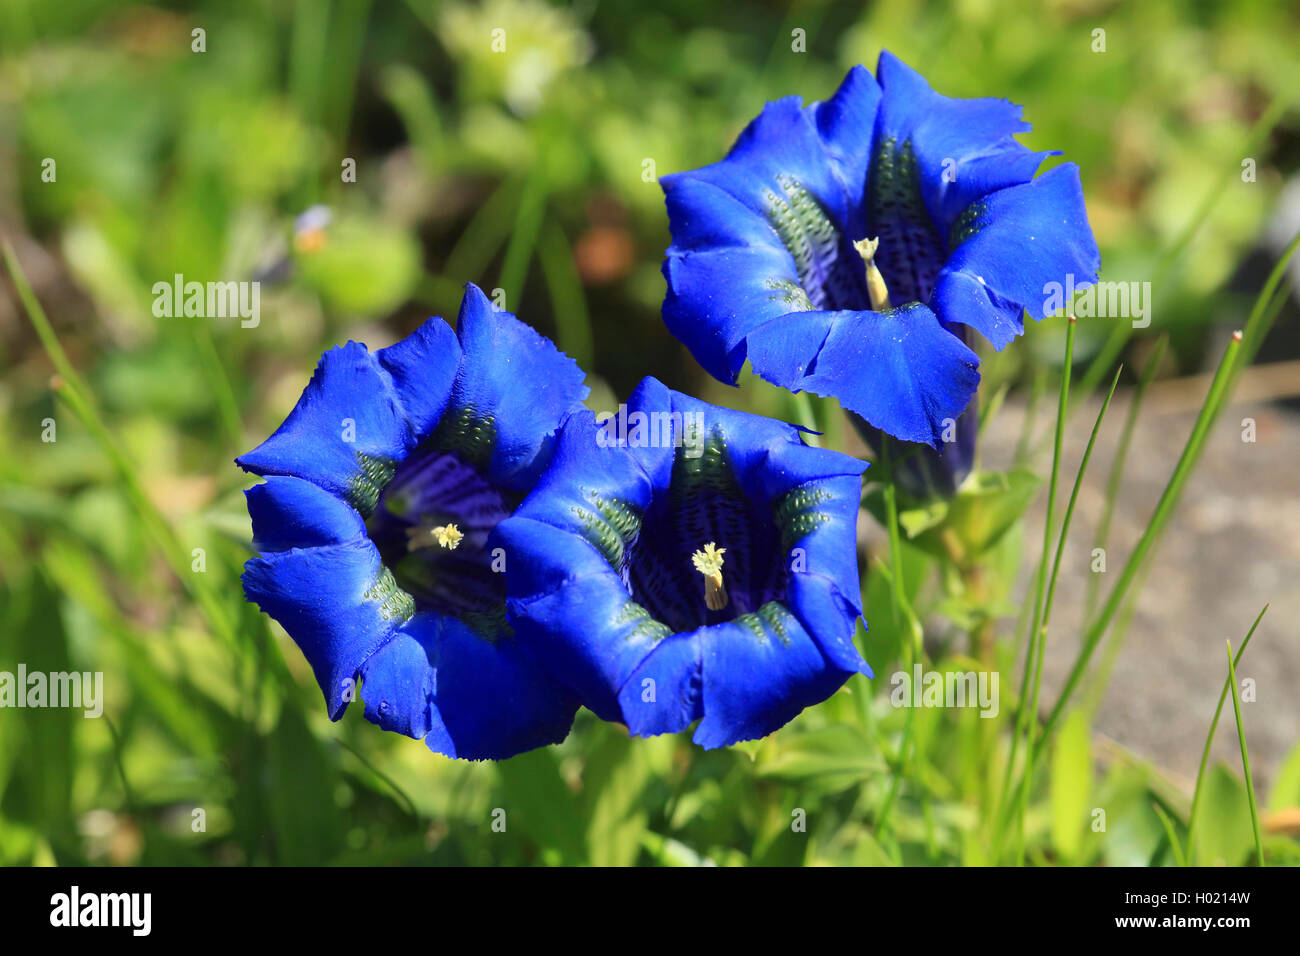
(709, 563)
(426, 536)
(876, 287)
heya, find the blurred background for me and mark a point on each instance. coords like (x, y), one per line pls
(363, 159)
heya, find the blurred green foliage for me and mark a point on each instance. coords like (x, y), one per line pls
(530, 170)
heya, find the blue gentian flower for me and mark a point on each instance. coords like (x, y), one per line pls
(683, 562)
(382, 488)
(839, 247)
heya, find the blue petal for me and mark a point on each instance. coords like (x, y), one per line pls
(607, 471)
(746, 678)
(349, 396)
(779, 145)
(717, 297)
(964, 148)
(293, 513)
(846, 123)
(339, 604)
(900, 370)
(664, 694)
(824, 589)
(830, 617)
(927, 473)
(398, 684)
(753, 685)
(1023, 239)
(767, 456)
(423, 367)
(493, 698)
(571, 608)
(706, 216)
(781, 243)
(518, 379)
(466, 696)
(827, 511)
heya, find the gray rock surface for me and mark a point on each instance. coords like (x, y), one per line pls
(1232, 546)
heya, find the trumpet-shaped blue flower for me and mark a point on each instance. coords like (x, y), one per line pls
(684, 562)
(382, 488)
(837, 246)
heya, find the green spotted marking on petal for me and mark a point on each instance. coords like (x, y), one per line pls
(394, 603)
(467, 433)
(805, 229)
(642, 623)
(710, 470)
(364, 488)
(966, 225)
(791, 294)
(911, 251)
(772, 619)
(612, 525)
(816, 244)
(797, 513)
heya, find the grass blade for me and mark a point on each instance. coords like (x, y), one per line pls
(72, 390)
(41, 323)
(568, 301)
(1245, 759)
(1214, 726)
(1041, 635)
(483, 236)
(1170, 833)
(1117, 465)
(523, 237)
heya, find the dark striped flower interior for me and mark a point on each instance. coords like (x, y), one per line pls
(433, 519)
(832, 273)
(704, 503)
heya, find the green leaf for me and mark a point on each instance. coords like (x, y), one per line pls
(669, 852)
(1227, 836)
(884, 638)
(39, 742)
(1285, 792)
(613, 780)
(867, 851)
(988, 504)
(985, 507)
(1071, 785)
(1133, 832)
(915, 521)
(828, 759)
(301, 787)
(1171, 834)
(180, 708)
(537, 801)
